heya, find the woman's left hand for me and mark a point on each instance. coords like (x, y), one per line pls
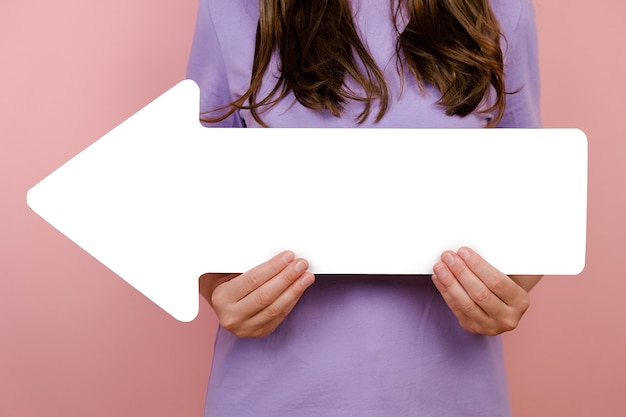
(484, 300)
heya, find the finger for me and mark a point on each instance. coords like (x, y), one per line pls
(270, 317)
(456, 296)
(267, 294)
(460, 315)
(241, 286)
(500, 284)
(476, 289)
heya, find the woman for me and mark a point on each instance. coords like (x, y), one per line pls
(292, 344)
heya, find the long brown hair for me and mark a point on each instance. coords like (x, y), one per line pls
(452, 44)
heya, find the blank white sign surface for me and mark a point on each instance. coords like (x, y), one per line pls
(161, 199)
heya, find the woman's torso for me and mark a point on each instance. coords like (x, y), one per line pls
(354, 346)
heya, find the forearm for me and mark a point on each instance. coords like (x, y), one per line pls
(208, 282)
(527, 282)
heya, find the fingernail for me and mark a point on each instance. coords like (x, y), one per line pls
(448, 258)
(307, 280)
(288, 256)
(439, 270)
(300, 266)
(464, 254)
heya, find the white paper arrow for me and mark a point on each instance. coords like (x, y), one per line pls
(161, 199)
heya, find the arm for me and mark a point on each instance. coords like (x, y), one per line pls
(483, 299)
(527, 282)
(207, 67)
(208, 282)
(254, 303)
(521, 70)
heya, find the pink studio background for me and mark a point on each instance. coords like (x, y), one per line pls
(75, 340)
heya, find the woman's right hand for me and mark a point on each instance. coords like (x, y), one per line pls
(254, 303)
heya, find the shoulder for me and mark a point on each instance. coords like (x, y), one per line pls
(231, 9)
(514, 15)
(521, 62)
(234, 21)
(220, 59)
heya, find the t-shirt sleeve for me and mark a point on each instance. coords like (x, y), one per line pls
(207, 68)
(521, 72)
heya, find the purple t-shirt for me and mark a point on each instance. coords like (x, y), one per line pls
(359, 346)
